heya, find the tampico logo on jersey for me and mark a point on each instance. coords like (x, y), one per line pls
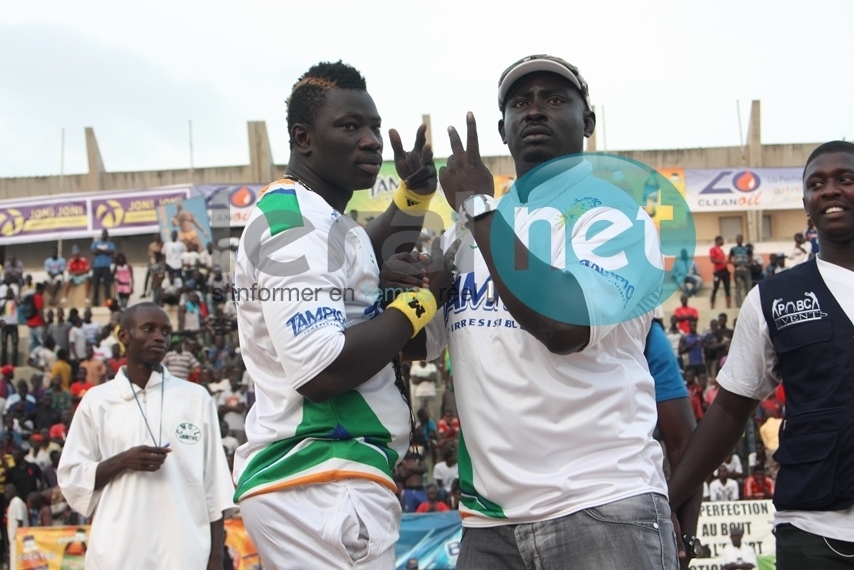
(788, 313)
(306, 321)
(188, 433)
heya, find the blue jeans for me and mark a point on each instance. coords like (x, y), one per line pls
(35, 338)
(634, 533)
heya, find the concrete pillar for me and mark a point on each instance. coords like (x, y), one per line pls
(754, 160)
(260, 153)
(96, 164)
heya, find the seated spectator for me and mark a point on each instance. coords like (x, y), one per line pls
(49, 470)
(190, 261)
(9, 435)
(229, 442)
(54, 266)
(758, 486)
(218, 324)
(115, 362)
(78, 274)
(738, 556)
(453, 499)
(695, 394)
(60, 398)
(96, 372)
(59, 431)
(432, 504)
(757, 457)
(22, 395)
(44, 415)
(217, 353)
(82, 384)
(723, 488)
(190, 314)
(448, 428)
(36, 503)
(757, 273)
(686, 274)
(13, 270)
(232, 407)
(423, 376)
(9, 331)
(446, 472)
(234, 360)
(24, 475)
(674, 335)
(39, 453)
(733, 465)
(178, 361)
(218, 289)
(172, 290)
(61, 368)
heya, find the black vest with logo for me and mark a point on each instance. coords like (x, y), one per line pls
(814, 342)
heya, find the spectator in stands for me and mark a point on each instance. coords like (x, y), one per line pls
(49, 470)
(684, 314)
(771, 268)
(218, 289)
(733, 466)
(154, 277)
(432, 504)
(426, 433)
(723, 488)
(24, 475)
(43, 357)
(190, 261)
(446, 472)
(33, 308)
(39, 452)
(76, 343)
(17, 516)
(60, 397)
(9, 330)
(691, 344)
(103, 251)
(738, 556)
(81, 385)
(22, 394)
(44, 415)
(757, 273)
(13, 270)
(801, 251)
(229, 442)
(711, 392)
(172, 252)
(96, 372)
(37, 504)
(423, 376)
(54, 266)
(232, 406)
(758, 485)
(59, 430)
(686, 274)
(61, 368)
(758, 457)
(411, 471)
(60, 329)
(722, 275)
(78, 274)
(206, 256)
(739, 257)
(674, 336)
(695, 394)
(115, 361)
(91, 329)
(448, 427)
(811, 235)
(190, 315)
(179, 362)
(154, 248)
(123, 276)
(217, 353)
(722, 321)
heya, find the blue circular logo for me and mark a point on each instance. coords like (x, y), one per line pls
(603, 232)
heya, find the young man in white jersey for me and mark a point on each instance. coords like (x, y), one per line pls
(577, 482)
(797, 328)
(314, 480)
(144, 451)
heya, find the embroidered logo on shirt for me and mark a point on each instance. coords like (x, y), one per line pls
(787, 313)
(305, 321)
(188, 433)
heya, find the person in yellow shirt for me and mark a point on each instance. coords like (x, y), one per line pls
(62, 368)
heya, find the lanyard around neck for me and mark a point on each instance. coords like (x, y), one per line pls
(159, 440)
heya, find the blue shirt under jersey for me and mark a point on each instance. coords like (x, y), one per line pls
(669, 384)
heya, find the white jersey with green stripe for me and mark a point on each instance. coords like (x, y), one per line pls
(303, 274)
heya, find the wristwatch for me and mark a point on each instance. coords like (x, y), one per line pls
(695, 549)
(477, 206)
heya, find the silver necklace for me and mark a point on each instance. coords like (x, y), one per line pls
(159, 440)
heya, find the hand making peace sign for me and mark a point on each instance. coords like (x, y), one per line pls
(465, 173)
(415, 168)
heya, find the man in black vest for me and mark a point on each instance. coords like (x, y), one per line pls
(798, 328)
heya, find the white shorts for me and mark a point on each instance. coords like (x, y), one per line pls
(347, 524)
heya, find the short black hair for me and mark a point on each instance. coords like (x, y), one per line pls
(309, 93)
(130, 313)
(827, 148)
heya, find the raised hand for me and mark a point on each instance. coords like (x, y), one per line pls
(416, 167)
(465, 173)
(440, 270)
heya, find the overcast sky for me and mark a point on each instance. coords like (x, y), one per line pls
(667, 73)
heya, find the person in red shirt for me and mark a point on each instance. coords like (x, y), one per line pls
(78, 273)
(36, 322)
(758, 486)
(432, 504)
(448, 427)
(719, 261)
(115, 362)
(684, 314)
(80, 386)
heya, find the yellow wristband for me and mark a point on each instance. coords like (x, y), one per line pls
(411, 203)
(418, 306)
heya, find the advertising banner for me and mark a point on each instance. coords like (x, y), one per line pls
(64, 547)
(739, 189)
(431, 538)
(716, 520)
(75, 216)
(189, 218)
